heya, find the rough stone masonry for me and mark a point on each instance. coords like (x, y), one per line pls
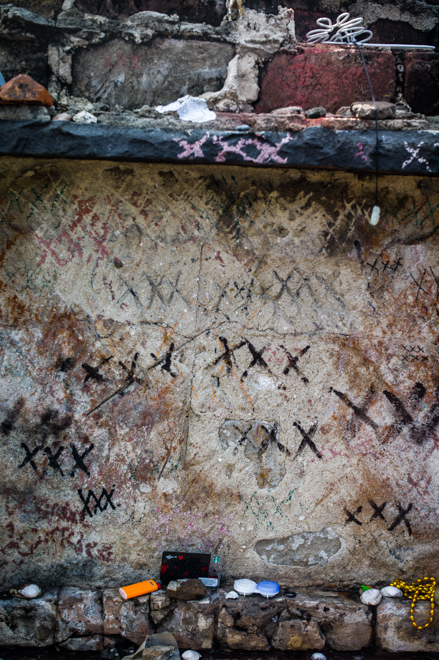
(217, 358)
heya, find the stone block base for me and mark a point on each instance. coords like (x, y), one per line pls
(86, 620)
(396, 633)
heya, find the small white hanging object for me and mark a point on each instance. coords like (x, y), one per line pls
(374, 218)
(391, 592)
(191, 655)
(231, 594)
(371, 597)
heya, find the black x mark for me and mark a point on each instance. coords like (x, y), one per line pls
(419, 284)
(271, 437)
(292, 363)
(437, 283)
(243, 437)
(360, 412)
(228, 356)
(129, 380)
(351, 517)
(29, 455)
(256, 359)
(373, 266)
(166, 361)
(378, 510)
(403, 417)
(131, 377)
(53, 458)
(79, 459)
(92, 373)
(401, 517)
(307, 439)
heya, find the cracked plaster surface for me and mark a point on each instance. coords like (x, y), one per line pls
(147, 306)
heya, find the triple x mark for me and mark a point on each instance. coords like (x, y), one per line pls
(53, 457)
(378, 513)
(98, 506)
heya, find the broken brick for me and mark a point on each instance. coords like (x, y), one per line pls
(325, 76)
(24, 90)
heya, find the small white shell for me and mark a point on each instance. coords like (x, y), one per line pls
(371, 597)
(318, 656)
(391, 592)
(191, 655)
(232, 594)
(27, 591)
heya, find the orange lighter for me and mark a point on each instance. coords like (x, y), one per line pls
(139, 589)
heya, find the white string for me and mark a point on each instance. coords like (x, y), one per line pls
(347, 30)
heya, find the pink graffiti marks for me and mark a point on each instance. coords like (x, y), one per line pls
(364, 155)
(85, 235)
(266, 152)
(192, 149)
(414, 156)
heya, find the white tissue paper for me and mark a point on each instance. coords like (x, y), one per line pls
(189, 108)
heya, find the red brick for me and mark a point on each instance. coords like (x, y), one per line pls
(325, 75)
(24, 90)
(421, 82)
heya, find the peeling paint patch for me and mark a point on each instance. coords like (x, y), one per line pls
(306, 549)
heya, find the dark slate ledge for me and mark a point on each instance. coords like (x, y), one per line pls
(401, 152)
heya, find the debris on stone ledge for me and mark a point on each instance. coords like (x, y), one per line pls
(189, 108)
(315, 113)
(139, 589)
(23, 90)
(391, 592)
(62, 116)
(24, 113)
(186, 589)
(158, 653)
(267, 588)
(27, 591)
(245, 587)
(85, 117)
(366, 110)
(191, 655)
(370, 596)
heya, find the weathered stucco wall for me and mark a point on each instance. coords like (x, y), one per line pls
(217, 358)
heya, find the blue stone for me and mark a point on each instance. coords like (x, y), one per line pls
(243, 127)
(2, 80)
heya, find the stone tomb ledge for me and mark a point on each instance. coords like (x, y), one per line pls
(400, 152)
(79, 619)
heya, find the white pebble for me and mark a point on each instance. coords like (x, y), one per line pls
(232, 594)
(85, 117)
(318, 656)
(391, 592)
(371, 597)
(191, 655)
(31, 591)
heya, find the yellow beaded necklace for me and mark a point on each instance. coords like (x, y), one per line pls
(418, 591)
